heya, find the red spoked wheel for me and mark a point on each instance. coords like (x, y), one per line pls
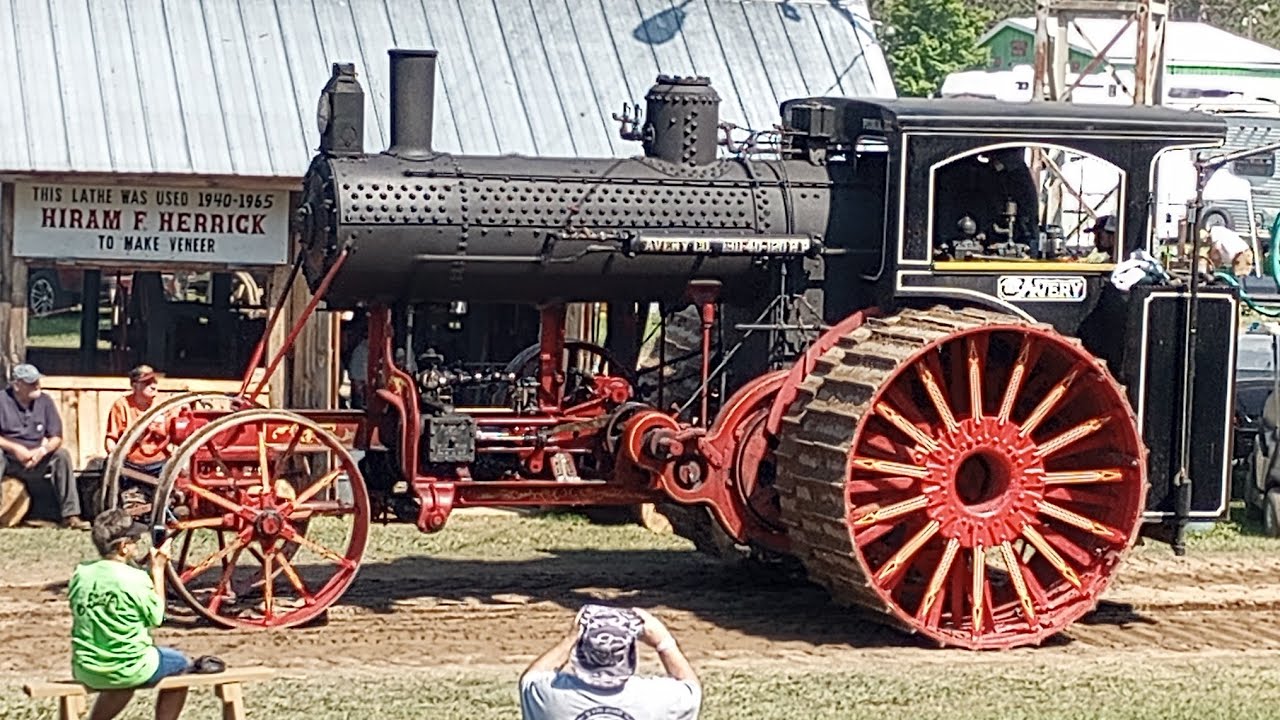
(269, 518)
(133, 489)
(983, 475)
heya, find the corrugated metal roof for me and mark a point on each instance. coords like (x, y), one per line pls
(229, 87)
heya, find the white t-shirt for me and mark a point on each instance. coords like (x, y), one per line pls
(1226, 244)
(550, 695)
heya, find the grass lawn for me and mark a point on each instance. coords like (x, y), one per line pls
(878, 683)
(60, 330)
(1171, 689)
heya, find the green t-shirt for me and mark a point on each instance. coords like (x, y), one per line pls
(113, 608)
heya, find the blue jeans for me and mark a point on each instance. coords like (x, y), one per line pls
(149, 468)
(172, 662)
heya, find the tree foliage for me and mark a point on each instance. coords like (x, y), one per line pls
(925, 40)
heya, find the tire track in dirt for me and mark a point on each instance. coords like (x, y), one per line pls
(429, 614)
(1181, 630)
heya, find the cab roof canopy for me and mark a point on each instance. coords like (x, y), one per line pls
(851, 118)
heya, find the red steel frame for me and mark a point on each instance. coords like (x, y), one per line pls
(658, 458)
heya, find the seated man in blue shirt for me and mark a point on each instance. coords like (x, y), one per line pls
(591, 672)
(31, 442)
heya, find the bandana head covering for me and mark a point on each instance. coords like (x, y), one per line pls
(605, 655)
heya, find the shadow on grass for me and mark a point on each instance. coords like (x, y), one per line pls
(1116, 613)
(766, 601)
(758, 600)
(763, 601)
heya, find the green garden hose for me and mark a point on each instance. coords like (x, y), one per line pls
(1231, 280)
(1273, 257)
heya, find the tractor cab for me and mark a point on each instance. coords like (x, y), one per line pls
(1025, 208)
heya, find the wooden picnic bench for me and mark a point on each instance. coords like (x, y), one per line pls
(73, 697)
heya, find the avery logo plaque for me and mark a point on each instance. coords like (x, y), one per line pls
(1040, 288)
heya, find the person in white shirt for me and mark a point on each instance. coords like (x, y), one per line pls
(1228, 249)
(590, 674)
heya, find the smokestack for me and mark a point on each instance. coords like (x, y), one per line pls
(413, 99)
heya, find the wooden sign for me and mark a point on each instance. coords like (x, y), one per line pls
(119, 224)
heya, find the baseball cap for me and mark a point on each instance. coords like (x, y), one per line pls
(1105, 223)
(142, 373)
(112, 526)
(26, 373)
(605, 655)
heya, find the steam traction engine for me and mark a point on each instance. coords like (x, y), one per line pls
(926, 399)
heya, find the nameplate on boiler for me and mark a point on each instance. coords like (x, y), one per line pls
(744, 245)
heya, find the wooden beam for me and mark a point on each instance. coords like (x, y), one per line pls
(13, 291)
(229, 676)
(230, 182)
(232, 701)
(154, 312)
(312, 359)
(575, 321)
(1107, 8)
(120, 384)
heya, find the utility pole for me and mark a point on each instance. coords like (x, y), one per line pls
(1054, 18)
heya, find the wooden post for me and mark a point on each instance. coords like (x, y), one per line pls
(90, 288)
(275, 288)
(310, 360)
(232, 701)
(335, 363)
(13, 291)
(220, 304)
(575, 321)
(71, 707)
(622, 334)
(153, 308)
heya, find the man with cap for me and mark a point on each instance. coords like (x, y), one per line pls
(31, 441)
(1104, 239)
(150, 452)
(591, 673)
(114, 605)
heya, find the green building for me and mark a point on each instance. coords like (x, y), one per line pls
(1191, 49)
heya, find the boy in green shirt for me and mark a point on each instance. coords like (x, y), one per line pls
(114, 605)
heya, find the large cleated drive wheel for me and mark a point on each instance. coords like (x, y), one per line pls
(973, 477)
(269, 518)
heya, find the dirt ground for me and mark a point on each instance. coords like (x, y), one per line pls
(484, 597)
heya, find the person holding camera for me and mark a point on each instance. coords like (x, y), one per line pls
(591, 672)
(114, 605)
